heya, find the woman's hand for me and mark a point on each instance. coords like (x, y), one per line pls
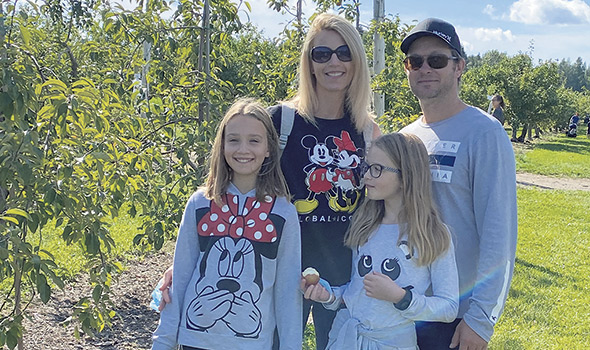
(166, 284)
(380, 286)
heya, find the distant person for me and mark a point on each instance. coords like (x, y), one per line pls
(572, 130)
(237, 258)
(575, 119)
(587, 119)
(474, 184)
(400, 249)
(498, 104)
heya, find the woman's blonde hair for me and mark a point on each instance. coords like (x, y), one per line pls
(358, 94)
(427, 236)
(270, 180)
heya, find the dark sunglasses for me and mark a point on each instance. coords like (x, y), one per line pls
(437, 61)
(376, 169)
(322, 54)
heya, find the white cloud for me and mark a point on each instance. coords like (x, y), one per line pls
(493, 34)
(271, 21)
(489, 10)
(561, 12)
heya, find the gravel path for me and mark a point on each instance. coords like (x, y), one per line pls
(136, 322)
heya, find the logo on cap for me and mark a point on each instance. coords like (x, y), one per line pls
(442, 35)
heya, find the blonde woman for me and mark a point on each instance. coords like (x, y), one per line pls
(322, 158)
(400, 248)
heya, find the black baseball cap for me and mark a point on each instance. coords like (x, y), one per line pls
(433, 27)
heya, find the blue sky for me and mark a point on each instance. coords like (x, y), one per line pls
(558, 29)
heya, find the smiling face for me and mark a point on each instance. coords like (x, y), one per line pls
(334, 75)
(429, 83)
(245, 148)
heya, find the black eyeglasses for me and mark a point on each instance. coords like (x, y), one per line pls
(376, 169)
(322, 54)
(436, 61)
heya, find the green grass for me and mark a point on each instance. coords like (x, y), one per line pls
(71, 259)
(555, 155)
(549, 300)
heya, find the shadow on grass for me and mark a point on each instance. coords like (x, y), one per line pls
(566, 145)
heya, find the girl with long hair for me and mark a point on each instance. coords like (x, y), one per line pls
(237, 257)
(400, 249)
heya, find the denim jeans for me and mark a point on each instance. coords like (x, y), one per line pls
(435, 335)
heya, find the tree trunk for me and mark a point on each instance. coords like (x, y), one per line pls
(514, 131)
(525, 128)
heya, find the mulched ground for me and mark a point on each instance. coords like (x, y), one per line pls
(133, 327)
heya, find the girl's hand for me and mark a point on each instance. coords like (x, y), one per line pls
(380, 286)
(315, 292)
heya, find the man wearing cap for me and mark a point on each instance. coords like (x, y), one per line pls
(474, 182)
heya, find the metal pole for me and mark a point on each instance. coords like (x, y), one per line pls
(378, 54)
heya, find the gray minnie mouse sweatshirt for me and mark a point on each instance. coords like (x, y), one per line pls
(237, 269)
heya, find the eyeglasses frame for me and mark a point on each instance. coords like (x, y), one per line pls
(335, 51)
(425, 60)
(366, 168)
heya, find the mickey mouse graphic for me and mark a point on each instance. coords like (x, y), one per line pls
(319, 173)
(230, 282)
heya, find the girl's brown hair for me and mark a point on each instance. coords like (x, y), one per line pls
(270, 180)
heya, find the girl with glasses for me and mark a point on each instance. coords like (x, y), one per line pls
(400, 249)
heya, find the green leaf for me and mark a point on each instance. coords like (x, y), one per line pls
(25, 35)
(3, 255)
(101, 156)
(11, 340)
(92, 243)
(9, 219)
(43, 288)
(137, 238)
(19, 212)
(50, 196)
(54, 83)
(96, 293)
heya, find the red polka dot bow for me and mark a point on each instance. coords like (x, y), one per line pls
(252, 223)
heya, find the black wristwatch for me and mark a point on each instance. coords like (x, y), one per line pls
(406, 300)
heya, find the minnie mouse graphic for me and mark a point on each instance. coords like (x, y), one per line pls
(230, 282)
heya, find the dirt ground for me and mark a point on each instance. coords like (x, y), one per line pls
(136, 321)
(553, 183)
